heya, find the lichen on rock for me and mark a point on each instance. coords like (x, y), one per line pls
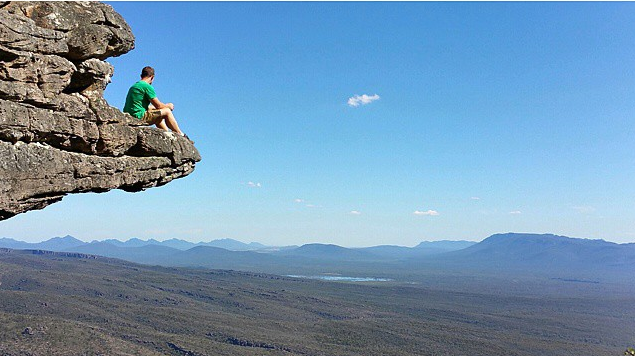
(58, 135)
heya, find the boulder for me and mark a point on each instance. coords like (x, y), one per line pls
(58, 135)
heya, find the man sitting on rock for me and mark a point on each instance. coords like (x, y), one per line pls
(142, 103)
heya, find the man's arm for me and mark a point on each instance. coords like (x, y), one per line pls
(159, 105)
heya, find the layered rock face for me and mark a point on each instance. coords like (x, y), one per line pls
(58, 135)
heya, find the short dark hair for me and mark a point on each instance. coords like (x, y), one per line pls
(147, 72)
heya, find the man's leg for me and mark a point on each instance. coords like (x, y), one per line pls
(161, 124)
(169, 119)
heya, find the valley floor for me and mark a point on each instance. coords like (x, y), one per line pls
(82, 306)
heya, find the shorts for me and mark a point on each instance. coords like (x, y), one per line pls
(151, 117)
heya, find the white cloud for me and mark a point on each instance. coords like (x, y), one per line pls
(358, 100)
(355, 212)
(475, 198)
(254, 185)
(515, 212)
(429, 212)
(298, 200)
(313, 206)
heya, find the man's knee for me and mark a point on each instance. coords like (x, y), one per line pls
(166, 112)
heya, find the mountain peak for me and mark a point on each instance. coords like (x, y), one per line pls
(66, 238)
(547, 252)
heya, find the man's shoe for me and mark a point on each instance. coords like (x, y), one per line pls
(187, 138)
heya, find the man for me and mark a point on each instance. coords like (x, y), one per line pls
(143, 104)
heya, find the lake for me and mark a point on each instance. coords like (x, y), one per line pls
(341, 278)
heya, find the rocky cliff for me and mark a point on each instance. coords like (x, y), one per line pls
(58, 135)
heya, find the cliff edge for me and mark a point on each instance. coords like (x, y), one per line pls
(58, 135)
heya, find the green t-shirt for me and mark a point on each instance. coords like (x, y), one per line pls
(138, 99)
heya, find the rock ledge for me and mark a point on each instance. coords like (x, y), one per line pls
(58, 135)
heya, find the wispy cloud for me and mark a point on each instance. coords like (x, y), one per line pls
(355, 212)
(515, 212)
(475, 198)
(192, 231)
(157, 232)
(306, 204)
(428, 212)
(584, 209)
(489, 212)
(358, 100)
(251, 184)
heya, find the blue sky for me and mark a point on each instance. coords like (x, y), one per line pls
(491, 117)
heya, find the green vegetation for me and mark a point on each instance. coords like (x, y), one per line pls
(79, 306)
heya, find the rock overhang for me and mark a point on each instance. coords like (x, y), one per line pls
(58, 135)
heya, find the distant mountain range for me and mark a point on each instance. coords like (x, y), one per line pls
(557, 256)
(69, 242)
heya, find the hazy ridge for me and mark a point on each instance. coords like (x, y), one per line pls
(511, 253)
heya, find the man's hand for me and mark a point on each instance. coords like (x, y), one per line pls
(159, 105)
